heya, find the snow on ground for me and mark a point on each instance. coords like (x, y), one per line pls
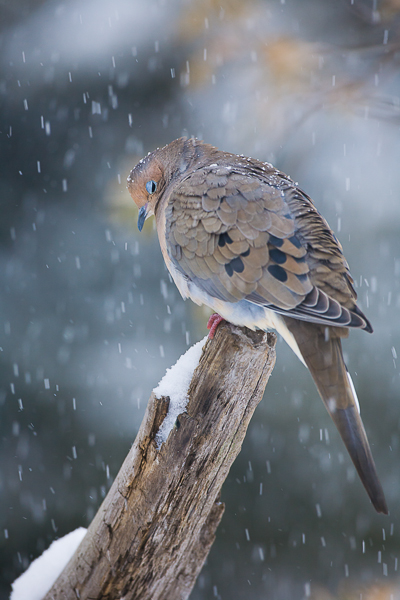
(175, 384)
(42, 572)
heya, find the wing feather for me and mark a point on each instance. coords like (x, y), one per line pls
(243, 237)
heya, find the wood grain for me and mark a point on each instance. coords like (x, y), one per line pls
(154, 529)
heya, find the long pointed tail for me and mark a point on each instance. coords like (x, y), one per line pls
(321, 350)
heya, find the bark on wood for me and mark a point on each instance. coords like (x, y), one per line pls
(153, 531)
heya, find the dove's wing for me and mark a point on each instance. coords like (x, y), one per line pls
(237, 236)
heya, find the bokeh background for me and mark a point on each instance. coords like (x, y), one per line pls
(89, 319)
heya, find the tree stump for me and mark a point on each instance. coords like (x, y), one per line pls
(152, 533)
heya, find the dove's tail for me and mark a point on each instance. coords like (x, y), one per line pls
(321, 350)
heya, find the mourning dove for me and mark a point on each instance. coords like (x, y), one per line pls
(240, 237)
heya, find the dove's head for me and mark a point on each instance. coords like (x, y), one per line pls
(149, 179)
(160, 170)
(146, 183)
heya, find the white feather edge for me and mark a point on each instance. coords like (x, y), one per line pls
(353, 389)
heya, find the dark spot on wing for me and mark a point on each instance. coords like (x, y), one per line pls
(275, 241)
(246, 253)
(229, 269)
(224, 239)
(277, 272)
(278, 256)
(295, 241)
(235, 265)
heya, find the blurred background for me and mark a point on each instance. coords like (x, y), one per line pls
(89, 319)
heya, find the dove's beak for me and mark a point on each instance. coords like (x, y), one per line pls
(142, 216)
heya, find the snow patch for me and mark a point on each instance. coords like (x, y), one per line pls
(175, 384)
(43, 572)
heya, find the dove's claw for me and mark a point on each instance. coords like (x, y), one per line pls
(213, 323)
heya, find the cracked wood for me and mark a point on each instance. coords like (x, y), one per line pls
(152, 533)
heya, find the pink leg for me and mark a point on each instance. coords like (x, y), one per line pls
(213, 323)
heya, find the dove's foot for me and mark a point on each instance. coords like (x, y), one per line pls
(213, 323)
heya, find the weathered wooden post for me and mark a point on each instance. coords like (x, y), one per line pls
(152, 533)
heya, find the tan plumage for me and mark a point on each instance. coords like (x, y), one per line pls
(240, 237)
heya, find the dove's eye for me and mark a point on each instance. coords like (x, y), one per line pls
(151, 186)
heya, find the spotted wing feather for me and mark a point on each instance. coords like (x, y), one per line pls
(239, 237)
